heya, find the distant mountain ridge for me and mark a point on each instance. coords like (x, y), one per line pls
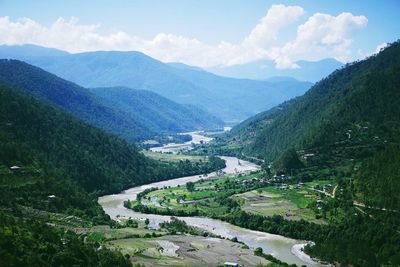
(230, 99)
(156, 112)
(264, 69)
(132, 124)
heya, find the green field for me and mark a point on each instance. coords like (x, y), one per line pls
(173, 157)
(292, 203)
(210, 198)
(151, 142)
(206, 198)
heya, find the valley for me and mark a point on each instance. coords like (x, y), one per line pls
(193, 133)
(278, 246)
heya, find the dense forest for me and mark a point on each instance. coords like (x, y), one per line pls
(350, 118)
(377, 183)
(87, 155)
(53, 163)
(29, 242)
(158, 113)
(98, 107)
(362, 96)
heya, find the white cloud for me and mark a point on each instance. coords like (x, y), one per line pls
(322, 35)
(380, 47)
(266, 31)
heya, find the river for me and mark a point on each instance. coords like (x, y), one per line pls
(283, 248)
(197, 138)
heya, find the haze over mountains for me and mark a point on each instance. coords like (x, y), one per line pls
(312, 71)
(232, 100)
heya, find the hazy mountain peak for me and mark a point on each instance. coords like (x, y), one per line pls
(264, 69)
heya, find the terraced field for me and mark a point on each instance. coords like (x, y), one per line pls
(293, 203)
(169, 157)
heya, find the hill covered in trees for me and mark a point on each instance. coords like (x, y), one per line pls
(29, 242)
(345, 129)
(54, 165)
(158, 113)
(350, 118)
(116, 112)
(356, 106)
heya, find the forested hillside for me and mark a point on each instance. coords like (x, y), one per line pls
(347, 120)
(53, 166)
(30, 242)
(34, 133)
(345, 130)
(123, 120)
(158, 113)
(356, 107)
(46, 164)
(378, 182)
(58, 154)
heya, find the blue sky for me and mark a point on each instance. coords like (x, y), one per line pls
(178, 22)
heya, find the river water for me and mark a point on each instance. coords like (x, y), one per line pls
(283, 248)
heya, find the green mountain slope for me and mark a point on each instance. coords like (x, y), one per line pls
(53, 167)
(356, 107)
(158, 113)
(344, 130)
(39, 134)
(29, 242)
(133, 124)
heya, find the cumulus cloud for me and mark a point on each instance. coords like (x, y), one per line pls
(380, 47)
(266, 31)
(321, 36)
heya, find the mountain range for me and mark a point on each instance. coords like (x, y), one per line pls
(54, 166)
(232, 100)
(132, 114)
(312, 71)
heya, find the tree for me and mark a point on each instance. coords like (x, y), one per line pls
(190, 186)
(289, 161)
(258, 251)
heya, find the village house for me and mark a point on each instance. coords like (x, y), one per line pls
(15, 168)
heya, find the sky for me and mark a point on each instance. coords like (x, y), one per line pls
(207, 33)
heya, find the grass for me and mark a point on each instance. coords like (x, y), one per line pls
(293, 203)
(146, 250)
(96, 237)
(23, 177)
(296, 202)
(173, 157)
(151, 142)
(108, 233)
(135, 246)
(203, 197)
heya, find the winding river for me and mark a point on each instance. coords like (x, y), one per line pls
(285, 249)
